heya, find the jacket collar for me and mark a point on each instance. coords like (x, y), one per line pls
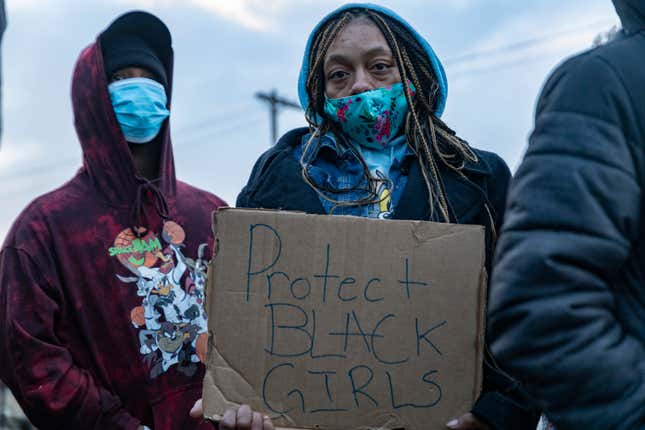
(465, 196)
(294, 138)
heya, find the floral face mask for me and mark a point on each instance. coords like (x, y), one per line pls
(372, 118)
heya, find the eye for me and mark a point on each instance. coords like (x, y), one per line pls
(337, 75)
(118, 77)
(381, 67)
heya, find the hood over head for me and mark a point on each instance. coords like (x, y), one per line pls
(106, 154)
(439, 72)
(632, 14)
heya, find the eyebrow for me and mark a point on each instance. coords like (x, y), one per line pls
(372, 51)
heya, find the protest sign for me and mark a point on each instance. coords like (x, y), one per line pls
(338, 322)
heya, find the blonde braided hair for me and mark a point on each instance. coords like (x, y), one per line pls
(430, 138)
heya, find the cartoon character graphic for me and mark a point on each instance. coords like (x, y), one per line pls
(384, 195)
(171, 319)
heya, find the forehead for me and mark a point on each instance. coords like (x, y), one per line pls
(361, 34)
(136, 70)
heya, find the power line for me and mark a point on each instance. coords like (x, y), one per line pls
(503, 65)
(498, 66)
(523, 44)
(211, 119)
(221, 131)
(44, 168)
(40, 168)
(189, 133)
(513, 62)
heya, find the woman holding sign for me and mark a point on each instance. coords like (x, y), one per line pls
(373, 91)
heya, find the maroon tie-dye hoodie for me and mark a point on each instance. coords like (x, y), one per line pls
(101, 284)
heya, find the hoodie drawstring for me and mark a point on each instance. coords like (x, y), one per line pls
(160, 203)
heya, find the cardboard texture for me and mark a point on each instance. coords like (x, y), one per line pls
(338, 322)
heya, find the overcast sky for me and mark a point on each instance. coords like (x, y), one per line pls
(226, 50)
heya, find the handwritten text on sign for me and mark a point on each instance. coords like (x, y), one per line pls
(343, 322)
(297, 333)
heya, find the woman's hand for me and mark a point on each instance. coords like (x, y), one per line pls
(467, 422)
(242, 418)
(197, 411)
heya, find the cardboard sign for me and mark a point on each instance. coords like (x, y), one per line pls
(339, 322)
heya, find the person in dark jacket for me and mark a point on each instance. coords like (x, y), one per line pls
(373, 91)
(102, 280)
(568, 291)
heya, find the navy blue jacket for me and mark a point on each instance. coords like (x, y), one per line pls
(567, 302)
(276, 183)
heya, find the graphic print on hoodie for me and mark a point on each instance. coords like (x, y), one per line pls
(171, 319)
(76, 346)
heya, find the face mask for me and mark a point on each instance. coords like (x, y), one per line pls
(140, 107)
(373, 118)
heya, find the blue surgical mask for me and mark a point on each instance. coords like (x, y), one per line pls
(140, 107)
(373, 118)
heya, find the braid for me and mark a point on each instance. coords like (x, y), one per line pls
(316, 88)
(315, 79)
(432, 141)
(426, 160)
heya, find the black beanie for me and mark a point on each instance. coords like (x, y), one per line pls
(131, 51)
(137, 39)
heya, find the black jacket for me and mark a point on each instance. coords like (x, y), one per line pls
(567, 302)
(276, 183)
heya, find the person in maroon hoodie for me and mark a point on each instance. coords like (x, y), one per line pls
(102, 280)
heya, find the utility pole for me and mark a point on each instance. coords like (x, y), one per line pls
(275, 102)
